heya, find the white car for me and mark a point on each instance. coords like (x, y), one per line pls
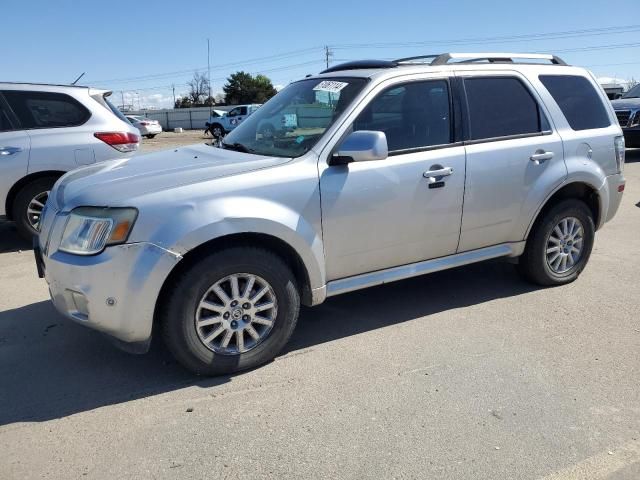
(147, 127)
(47, 130)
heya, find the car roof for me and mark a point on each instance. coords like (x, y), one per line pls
(51, 87)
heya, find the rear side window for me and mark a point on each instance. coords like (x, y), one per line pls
(115, 110)
(578, 100)
(501, 107)
(46, 109)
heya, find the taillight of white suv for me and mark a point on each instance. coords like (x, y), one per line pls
(121, 141)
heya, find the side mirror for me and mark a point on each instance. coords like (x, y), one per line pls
(361, 146)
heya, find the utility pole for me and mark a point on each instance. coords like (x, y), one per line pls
(173, 87)
(327, 54)
(209, 73)
(122, 95)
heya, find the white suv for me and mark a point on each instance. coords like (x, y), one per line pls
(47, 130)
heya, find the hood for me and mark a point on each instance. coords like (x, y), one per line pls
(112, 183)
(625, 103)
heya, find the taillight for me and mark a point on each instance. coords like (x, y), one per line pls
(121, 141)
(145, 123)
(619, 144)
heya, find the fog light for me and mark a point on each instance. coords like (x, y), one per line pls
(80, 302)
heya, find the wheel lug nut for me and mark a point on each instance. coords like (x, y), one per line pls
(246, 306)
(245, 318)
(234, 324)
(234, 303)
(226, 315)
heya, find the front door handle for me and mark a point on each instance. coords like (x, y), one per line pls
(541, 156)
(4, 151)
(432, 176)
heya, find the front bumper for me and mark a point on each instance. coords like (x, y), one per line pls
(114, 292)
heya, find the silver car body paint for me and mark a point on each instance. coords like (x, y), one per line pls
(352, 226)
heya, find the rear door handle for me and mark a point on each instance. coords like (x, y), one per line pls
(5, 151)
(541, 156)
(433, 175)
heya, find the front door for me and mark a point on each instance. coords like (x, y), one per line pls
(386, 213)
(14, 152)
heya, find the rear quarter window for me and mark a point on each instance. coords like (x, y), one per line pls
(46, 109)
(578, 100)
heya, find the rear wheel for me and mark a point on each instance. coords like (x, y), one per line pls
(559, 245)
(233, 310)
(28, 205)
(216, 130)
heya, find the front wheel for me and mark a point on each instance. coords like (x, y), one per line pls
(151, 136)
(233, 310)
(559, 245)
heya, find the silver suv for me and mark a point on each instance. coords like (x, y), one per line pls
(47, 130)
(409, 167)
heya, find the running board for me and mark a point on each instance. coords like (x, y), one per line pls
(380, 277)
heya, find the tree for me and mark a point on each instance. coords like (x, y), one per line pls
(183, 102)
(198, 88)
(242, 87)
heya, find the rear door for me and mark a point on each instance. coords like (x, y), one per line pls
(515, 158)
(14, 152)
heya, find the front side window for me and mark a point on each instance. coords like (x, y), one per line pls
(46, 109)
(292, 122)
(578, 100)
(412, 115)
(501, 107)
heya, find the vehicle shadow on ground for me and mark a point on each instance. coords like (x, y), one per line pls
(10, 241)
(51, 368)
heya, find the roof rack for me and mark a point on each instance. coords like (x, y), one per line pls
(444, 58)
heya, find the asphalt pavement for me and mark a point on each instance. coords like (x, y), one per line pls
(465, 374)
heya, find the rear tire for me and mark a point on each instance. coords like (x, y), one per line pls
(559, 245)
(216, 131)
(28, 202)
(183, 315)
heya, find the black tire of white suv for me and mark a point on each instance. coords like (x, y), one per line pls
(563, 229)
(23, 200)
(182, 313)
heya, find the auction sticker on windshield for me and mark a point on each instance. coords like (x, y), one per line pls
(330, 86)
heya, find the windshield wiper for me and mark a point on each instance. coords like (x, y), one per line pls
(238, 147)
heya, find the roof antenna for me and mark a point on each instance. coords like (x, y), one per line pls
(76, 80)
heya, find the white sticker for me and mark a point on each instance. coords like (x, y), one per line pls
(330, 86)
(290, 120)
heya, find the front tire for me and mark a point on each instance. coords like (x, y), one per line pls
(28, 205)
(217, 131)
(151, 136)
(559, 245)
(232, 310)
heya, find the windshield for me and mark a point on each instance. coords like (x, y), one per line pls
(633, 93)
(292, 122)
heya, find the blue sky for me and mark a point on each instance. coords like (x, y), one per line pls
(146, 46)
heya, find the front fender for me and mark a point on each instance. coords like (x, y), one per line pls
(251, 215)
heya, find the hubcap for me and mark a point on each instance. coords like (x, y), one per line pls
(236, 314)
(34, 209)
(565, 244)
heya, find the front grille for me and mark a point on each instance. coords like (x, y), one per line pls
(623, 117)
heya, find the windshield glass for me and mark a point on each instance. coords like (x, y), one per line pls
(633, 93)
(292, 122)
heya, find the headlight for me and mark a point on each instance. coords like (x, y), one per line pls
(90, 229)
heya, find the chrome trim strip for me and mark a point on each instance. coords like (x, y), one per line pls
(380, 277)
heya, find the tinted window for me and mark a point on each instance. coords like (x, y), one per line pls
(500, 107)
(578, 100)
(243, 110)
(46, 109)
(5, 125)
(412, 115)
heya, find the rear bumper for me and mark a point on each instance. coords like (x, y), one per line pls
(612, 191)
(150, 130)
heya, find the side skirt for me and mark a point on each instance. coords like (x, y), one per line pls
(349, 284)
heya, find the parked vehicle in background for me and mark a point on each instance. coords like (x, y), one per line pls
(47, 130)
(147, 127)
(221, 125)
(219, 246)
(628, 112)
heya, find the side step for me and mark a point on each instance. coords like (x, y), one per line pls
(379, 277)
